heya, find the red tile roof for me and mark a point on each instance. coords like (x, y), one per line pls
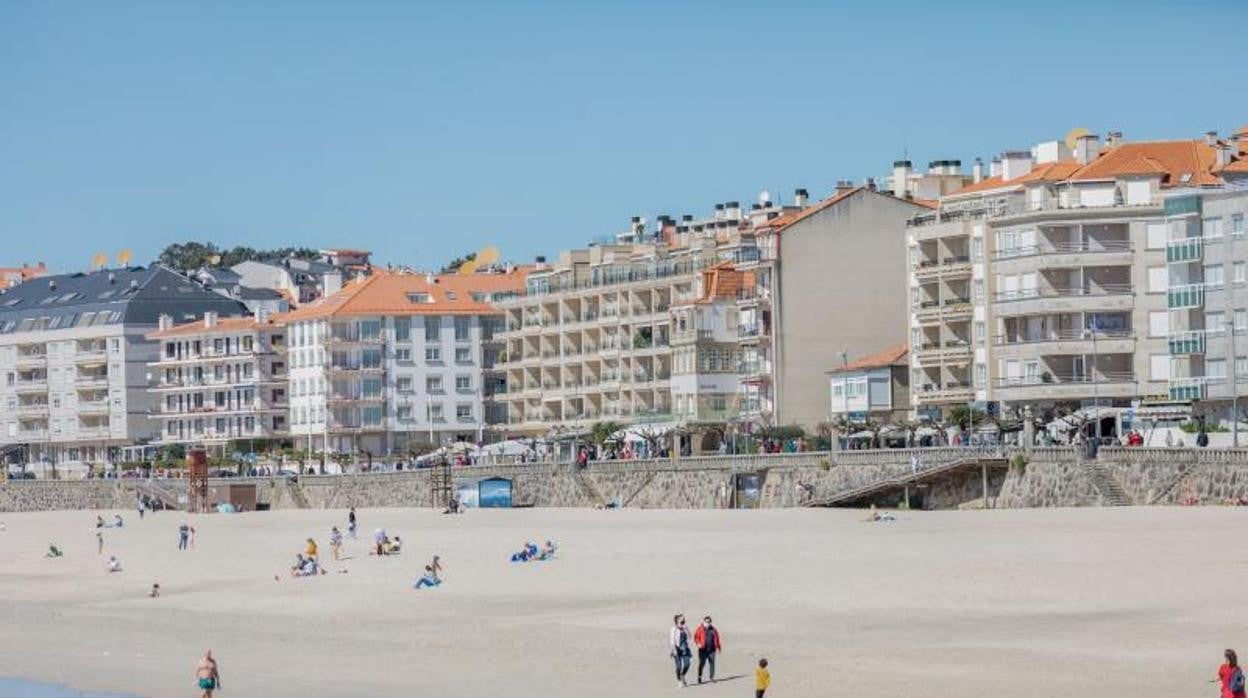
(892, 356)
(388, 293)
(781, 222)
(984, 185)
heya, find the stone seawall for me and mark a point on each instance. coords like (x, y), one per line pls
(1043, 477)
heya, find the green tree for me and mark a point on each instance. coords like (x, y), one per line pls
(454, 265)
(193, 255)
(601, 432)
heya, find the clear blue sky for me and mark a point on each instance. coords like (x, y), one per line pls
(420, 131)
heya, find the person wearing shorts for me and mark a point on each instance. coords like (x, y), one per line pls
(207, 675)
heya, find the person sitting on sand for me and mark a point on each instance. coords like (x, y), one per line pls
(392, 547)
(436, 566)
(880, 516)
(301, 563)
(99, 522)
(54, 551)
(547, 552)
(114, 565)
(429, 580)
(155, 592)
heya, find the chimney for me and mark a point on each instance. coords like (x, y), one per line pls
(719, 212)
(800, 197)
(429, 278)
(1015, 164)
(638, 228)
(164, 322)
(902, 169)
(686, 218)
(994, 168)
(112, 278)
(1113, 139)
(1211, 138)
(870, 183)
(732, 210)
(1087, 147)
(210, 319)
(844, 185)
(977, 171)
(1223, 152)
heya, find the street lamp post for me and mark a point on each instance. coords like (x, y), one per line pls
(1096, 394)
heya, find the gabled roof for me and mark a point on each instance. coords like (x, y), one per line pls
(222, 325)
(393, 293)
(892, 356)
(723, 281)
(985, 185)
(1051, 172)
(781, 222)
(1180, 163)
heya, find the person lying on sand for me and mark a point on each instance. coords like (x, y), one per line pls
(880, 516)
(429, 580)
(114, 565)
(54, 551)
(547, 552)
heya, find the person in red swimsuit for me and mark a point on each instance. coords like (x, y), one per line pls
(1231, 677)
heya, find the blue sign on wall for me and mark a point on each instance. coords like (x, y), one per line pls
(494, 493)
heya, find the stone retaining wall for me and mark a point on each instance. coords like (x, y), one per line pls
(1044, 477)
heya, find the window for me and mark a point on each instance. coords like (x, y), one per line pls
(1158, 323)
(463, 355)
(1159, 367)
(981, 332)
(977, 249)
(1239, 272)
(1241, 366)
(404, 384)
(433, 384)
(370, 329)
(1214, 276)
(463, 326)
(1237, 225)
(371, 415)
(1211, 228)
(433, 355)
(1157, 236)
(978, 285)
(463, 411)
(981, 374)
(463, 383)
(1241, 320)
(1215, 368)
(435, 413)
(404, 354)
(433, 328)
(1215, 322)
(1158, 279)
(403, 413)
(402, 329)
(420, 298)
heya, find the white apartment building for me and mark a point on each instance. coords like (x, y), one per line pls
(220, 380)
(1045, 284)
(397, 359)
(74, 358)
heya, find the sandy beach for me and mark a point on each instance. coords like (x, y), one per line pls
(1020, 603)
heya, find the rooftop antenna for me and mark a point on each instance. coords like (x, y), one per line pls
(98, 260)
(124, 257)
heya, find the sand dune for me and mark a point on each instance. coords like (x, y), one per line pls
(1019, 603)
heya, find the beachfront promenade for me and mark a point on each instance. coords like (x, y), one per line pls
(930, 478)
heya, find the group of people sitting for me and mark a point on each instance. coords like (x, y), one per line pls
(307, 563)
(531, 552)
(383, 544)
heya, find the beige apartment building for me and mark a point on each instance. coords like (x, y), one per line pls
(220, 380)
(1046, 283)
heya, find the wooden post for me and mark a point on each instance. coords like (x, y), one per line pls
(907, 497)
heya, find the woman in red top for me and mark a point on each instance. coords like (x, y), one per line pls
(1226, 676)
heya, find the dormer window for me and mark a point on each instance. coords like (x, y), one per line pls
(420, 297)
(1185, 177)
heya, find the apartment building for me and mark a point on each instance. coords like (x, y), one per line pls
(1046, 283)
(873, 388)
(395, 359)
(74, 357)
(1207, 254)
(592, 338)
(220, 380)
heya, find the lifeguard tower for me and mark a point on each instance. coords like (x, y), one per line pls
(197, 485)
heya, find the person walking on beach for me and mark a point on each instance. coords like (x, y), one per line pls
(1230, 676)
(762, 679)
(335, 542)
(99, 543)
(351, 522)
(184, 534)
(207, 675)
(706, 637)
(682, 648)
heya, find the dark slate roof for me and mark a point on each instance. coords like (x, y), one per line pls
(130, 295)
(248, 293)
(219, 276)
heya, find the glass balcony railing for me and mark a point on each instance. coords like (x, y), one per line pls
(1187, 343)
(1185, 250)
(1186, 296)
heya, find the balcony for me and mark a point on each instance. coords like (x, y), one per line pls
(356, 397)
(1188, 388)
(1065, 342)
(90, 380)
(1047, 387)
(952, 351)
(93, 407)
(951, 391)
(356, 368)
(1186, 296)
(1187, 342)
(953, 265)
(1182, 250)
(27, 435)
(349, 339)
(31, 386)
(94, 357)
(1106, 297)
(31, 359)
(32, 409)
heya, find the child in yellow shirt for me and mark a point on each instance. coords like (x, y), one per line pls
(762, 679)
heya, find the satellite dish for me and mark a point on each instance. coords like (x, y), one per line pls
(764, 196)
(1073, 136)
(98, 260)
(124, 257)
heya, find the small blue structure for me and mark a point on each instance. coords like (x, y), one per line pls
(494, 493)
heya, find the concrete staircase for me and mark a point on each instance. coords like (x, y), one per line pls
(167, 496)
(295, 491)
(1112, 493)
(587, 488)
(892, 484)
